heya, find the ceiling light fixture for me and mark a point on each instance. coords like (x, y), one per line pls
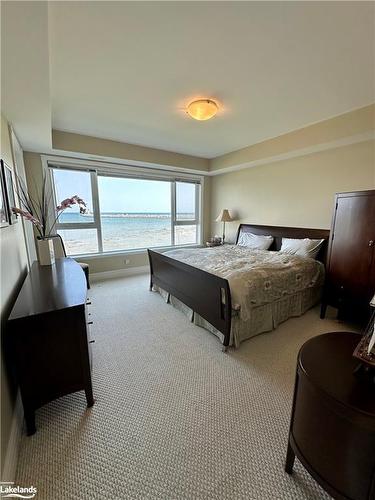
(202, 109)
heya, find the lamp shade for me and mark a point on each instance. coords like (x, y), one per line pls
(224, 216)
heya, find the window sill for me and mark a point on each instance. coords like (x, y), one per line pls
(138, 251)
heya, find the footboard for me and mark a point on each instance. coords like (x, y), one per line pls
(206, 294)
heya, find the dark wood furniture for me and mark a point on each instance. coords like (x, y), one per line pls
(208, 294)
(205, 293)
(350, 282)
(48, 336)
(332, 429)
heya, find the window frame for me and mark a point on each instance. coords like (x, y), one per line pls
(185, 222)
(97, 169)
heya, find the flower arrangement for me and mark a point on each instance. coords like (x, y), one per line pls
(37, 210)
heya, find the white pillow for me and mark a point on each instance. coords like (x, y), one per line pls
(255, 241)
(304, 247)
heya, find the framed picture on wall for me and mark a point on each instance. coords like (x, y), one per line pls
(10, 200)
(4, 219)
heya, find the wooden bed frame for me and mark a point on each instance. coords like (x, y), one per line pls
(208, 294)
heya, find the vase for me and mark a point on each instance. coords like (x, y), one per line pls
(46, 253)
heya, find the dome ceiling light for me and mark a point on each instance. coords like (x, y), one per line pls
(202, 109)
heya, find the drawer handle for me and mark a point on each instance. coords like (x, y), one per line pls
(91, 341)
(371, 243)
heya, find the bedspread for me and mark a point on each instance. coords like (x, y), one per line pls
(256, 277)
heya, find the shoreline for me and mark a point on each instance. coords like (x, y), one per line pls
(127, 215)
(80, 242)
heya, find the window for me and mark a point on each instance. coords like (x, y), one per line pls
(67, 182)
(186, 213)
(185, 201)
(135, 213)
(126, 213)
(79, 241)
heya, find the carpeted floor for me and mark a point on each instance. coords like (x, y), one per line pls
(175, 418)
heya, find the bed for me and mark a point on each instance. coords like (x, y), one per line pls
(237, 293)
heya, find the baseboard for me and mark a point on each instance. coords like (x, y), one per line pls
(11, 457)
(119, 273)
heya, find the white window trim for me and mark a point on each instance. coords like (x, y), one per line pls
(102, 168)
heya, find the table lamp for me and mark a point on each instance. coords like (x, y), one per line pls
(224, 217)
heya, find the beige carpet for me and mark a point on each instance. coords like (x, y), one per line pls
(174, 418)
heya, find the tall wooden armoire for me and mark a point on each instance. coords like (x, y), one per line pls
(350, 280)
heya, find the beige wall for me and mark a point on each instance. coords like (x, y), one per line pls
(13, 270)
(77, 143)
(296, 192)
(115, 262)
(34, 172)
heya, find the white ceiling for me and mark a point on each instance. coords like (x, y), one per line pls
(125, 70)
(25, 85)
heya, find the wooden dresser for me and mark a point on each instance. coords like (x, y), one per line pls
(350, 281)
(49, 338)
(332, 429)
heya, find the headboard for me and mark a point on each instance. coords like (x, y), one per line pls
(279, 232)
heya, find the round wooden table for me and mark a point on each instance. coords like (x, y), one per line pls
(332, 430)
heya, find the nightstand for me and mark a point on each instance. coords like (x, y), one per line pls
(332, 430)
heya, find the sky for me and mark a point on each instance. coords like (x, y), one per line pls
(124, 195)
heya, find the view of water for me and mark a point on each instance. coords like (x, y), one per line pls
(122, 231)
